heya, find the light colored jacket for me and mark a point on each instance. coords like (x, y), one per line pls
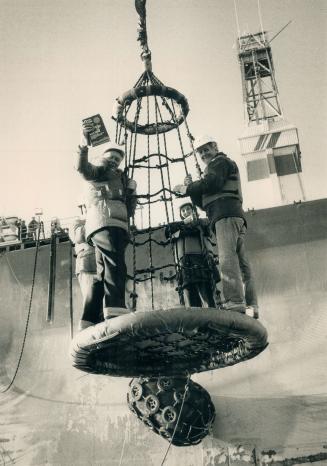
(85, 253)
(109, 200)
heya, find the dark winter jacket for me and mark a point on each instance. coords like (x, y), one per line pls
(219, 191)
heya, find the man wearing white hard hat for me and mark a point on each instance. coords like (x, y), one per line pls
(110, 201)
(219, 193)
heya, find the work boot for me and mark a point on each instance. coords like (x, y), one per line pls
(252, 311)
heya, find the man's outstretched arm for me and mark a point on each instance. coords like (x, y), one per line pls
(88, 171)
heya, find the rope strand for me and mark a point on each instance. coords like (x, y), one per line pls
(177, 422)
(28, 315)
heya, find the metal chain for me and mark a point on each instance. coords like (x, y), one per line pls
(137, 114)
(71, 302)
(167, 165)
(160, 163)
(134, 294)
(125, 141)
(174, 250)
(192, 145)
(179, 137)
(149, 209)
(116, 131)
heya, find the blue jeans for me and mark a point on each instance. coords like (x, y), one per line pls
(236, 275)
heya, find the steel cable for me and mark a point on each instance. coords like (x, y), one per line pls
(28, 314)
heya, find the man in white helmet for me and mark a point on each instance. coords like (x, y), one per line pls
(219, 193)
(110, 202)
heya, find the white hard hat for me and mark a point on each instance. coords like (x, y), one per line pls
(203, 140)
(113, 146)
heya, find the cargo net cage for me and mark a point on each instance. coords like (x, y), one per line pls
(151, 121)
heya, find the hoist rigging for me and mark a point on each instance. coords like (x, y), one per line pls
(152, 343)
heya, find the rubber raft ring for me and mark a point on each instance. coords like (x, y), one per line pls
(153, 90)
(172, 342)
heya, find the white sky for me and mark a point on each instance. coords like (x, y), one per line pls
(65, 60)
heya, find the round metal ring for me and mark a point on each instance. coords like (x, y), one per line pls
(147, 91)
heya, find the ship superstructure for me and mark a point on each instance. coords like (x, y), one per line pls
(270, 144)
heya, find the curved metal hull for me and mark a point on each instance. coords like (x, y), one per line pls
(276, 402)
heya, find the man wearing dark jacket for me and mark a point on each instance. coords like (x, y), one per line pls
(111, 200)
(219, 194)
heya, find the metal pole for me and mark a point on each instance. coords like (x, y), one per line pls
(280, 31)
(52, 278)
(71, 313)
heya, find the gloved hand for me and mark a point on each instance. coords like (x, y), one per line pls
(190, 219)
(131, 185)
(82, 150)
(87, 128)
(180, 189)
(188, 180)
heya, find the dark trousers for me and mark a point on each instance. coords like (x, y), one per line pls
(92, 290)
(110, 245)
(199, 295)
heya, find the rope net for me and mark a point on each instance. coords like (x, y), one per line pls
(151, 120)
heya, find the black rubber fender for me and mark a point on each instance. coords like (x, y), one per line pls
(171, 342)
(183, 419)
